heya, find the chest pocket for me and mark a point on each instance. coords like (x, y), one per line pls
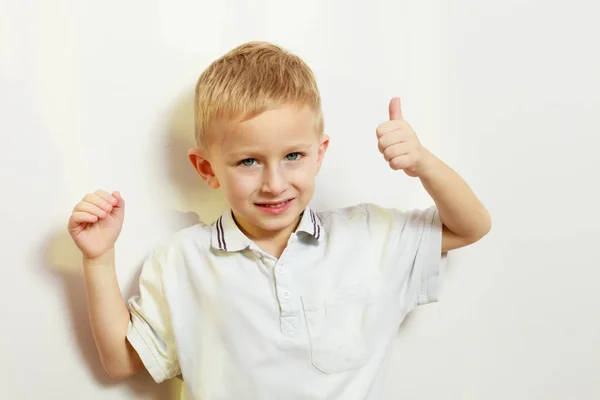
(344, 328)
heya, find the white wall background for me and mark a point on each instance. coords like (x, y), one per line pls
(99, 95)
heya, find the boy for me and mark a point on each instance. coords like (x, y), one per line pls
(274, 300)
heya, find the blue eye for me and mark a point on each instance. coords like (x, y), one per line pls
(293, 156)
(248, 162)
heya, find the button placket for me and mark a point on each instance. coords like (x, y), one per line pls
(289, 314)
(282, 284)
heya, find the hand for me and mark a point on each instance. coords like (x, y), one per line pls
(399, 144)
(96, 223)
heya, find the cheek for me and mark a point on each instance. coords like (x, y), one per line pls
(303, 176)
(239, 185)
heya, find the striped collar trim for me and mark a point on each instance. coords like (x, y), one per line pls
(226, 236)
(311, 224)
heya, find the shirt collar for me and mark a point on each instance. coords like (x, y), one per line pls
(311, 224)
(226, 236)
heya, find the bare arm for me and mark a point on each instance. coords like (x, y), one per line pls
(109, 317)
(464, 217)
(465, 220)
(95, 225)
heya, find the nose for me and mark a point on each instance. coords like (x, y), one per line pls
(274, 181)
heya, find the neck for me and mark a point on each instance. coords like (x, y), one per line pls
(273, 242)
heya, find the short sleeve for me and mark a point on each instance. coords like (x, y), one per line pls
(411, 251)
(150, 331)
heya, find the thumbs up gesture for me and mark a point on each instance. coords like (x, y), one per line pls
(399, 144)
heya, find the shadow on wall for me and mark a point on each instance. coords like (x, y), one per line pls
(63, 259)
(193, 194)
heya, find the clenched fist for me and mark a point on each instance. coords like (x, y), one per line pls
(399, 143)
(96, 222)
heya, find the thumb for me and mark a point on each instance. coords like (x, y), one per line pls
(119, 208)
(395, 109)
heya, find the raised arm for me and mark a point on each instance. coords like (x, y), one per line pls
(465, 220)
(95, 225)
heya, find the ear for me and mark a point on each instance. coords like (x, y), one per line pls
(201, 164)
(323, 145)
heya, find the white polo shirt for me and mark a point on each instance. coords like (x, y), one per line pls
(318, 323)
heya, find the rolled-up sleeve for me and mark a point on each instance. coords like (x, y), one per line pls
(150, 331)
(429, 264)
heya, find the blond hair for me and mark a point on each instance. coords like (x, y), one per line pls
(250, 79)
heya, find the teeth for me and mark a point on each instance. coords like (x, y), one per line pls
(275, 205)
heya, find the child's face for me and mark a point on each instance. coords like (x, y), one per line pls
(266, 168)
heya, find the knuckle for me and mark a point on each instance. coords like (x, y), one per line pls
(398, 163)
(387, 154)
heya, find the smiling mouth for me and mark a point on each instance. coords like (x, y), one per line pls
(274, 205)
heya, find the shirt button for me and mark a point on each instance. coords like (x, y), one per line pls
(286, 295)
(280, 269)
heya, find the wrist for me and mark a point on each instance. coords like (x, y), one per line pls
(428, 164)
(105, 259)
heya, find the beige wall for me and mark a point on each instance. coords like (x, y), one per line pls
(99, 95)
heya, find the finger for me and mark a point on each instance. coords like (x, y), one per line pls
(390, 126)
(98, 201)
(401, 162)
(395, 109)
(106, 196)
(391, 138)
(80, 217)
(91, 209)
(395, 150)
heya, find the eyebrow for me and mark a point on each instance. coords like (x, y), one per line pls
(288, 149)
